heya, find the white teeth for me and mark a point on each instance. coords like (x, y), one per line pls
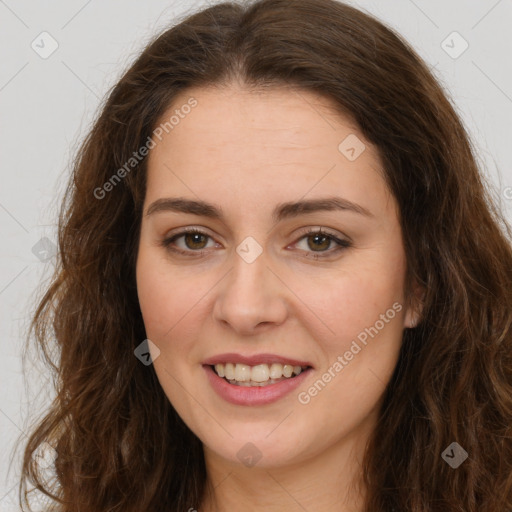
(242, 373)
(287, 370)
(219, 368)
(229, 370)
(260, 373)
(255, 375)
(276, 371)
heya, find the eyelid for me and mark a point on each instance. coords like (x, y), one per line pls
(325, 231)
(188, 229)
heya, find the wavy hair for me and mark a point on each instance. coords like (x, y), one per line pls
(117, 450)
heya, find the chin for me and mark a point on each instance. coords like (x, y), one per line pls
(261, 447)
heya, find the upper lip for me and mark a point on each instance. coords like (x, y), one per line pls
(253, 360)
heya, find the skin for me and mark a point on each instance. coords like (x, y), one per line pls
(248, 151)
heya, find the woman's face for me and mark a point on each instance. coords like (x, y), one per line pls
(253, 173)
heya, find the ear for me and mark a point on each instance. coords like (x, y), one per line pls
(415, 308)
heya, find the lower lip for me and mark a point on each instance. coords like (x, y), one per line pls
(255, 395)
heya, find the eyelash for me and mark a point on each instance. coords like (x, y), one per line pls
(342, 244)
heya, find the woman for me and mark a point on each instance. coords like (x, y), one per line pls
(209, 359)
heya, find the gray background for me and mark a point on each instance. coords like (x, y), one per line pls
(47, 105)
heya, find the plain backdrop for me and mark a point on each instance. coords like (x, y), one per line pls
(58, 60)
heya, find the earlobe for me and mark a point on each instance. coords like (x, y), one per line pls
(415, 307)
(412, 318)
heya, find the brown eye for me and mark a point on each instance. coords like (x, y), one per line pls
(194, 241)
(318, 244)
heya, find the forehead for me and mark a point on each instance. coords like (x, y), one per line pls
(281, 118)
(254, 147)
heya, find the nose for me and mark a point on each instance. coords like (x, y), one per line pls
(251, 297)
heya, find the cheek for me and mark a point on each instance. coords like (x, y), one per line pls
(171, 305)
(153, 295)
(366, 317)
(349, 301)
(161, 298)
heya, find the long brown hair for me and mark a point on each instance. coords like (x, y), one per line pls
(120, 445)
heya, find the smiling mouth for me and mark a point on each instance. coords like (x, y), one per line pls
(259, 375)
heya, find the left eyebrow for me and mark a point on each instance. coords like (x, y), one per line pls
(281, 211)
(294, 209)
